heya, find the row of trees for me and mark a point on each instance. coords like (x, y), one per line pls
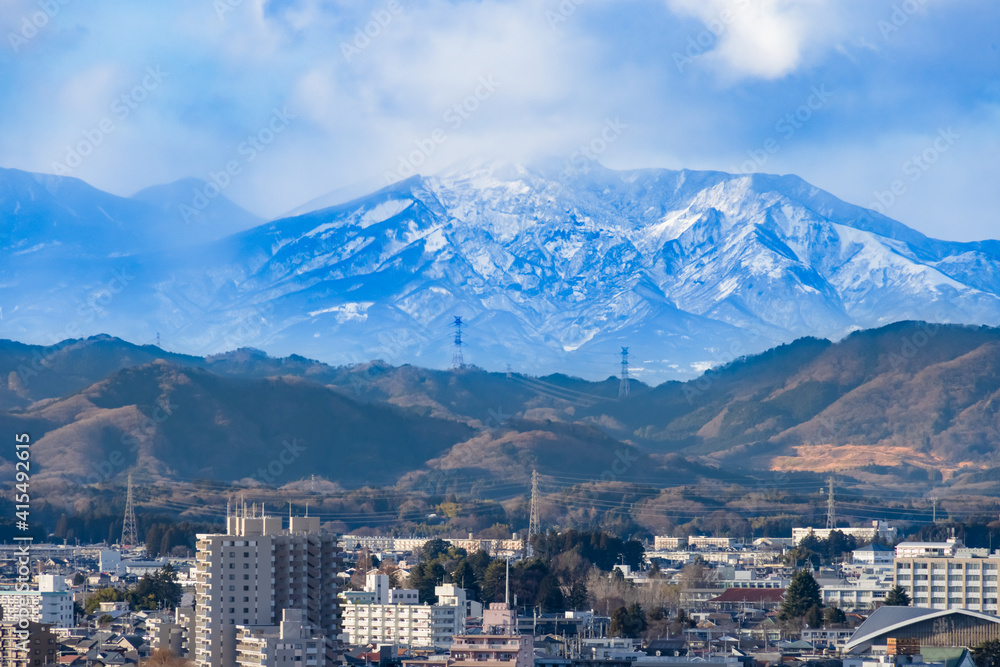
(153, 591)
(532, 581)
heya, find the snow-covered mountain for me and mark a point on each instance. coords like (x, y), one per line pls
(551, 270)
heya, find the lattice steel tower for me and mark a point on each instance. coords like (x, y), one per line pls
(129, 537)
(623, 385)
(831, 518)
(533, 518)
(457, 360)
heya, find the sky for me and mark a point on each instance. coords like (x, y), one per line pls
(891, 104)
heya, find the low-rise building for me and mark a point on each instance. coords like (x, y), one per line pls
(293, 641)
(861, 594)
(499, 645)
(30, 646)
(52, 603)
(408, 623)
(878, 529)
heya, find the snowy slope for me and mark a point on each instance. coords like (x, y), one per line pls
(554, 270)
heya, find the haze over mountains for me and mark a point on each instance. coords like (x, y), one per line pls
(552, 269)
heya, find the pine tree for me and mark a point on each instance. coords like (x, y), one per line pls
(897, 597)
(802, 595)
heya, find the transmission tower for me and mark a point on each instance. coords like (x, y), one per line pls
(831, 519)
(129, 538)
(457, 360)
(623, 385)
(533, 520)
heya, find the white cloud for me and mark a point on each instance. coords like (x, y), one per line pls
(759, 38)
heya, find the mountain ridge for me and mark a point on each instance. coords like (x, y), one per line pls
(686, 268)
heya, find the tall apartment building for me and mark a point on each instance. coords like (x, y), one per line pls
(256, 570)
(52, 603)
(941, 580)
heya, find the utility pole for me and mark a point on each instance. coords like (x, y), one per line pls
(934, 502)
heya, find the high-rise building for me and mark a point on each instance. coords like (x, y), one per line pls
(255, 571)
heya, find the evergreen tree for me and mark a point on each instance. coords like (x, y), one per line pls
(897, 597)
(802, 595)
(987, 654)
(813, 617)
(579, 596)
(834, 616)
(550, 595)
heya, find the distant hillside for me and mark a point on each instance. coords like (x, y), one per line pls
(907, 404)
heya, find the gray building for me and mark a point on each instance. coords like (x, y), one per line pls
(255, 571)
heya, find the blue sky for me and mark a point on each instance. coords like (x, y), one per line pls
(857, 96)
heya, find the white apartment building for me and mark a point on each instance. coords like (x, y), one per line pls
(667, 543)
(878, 529)
(381, 543)
(291, 642)
(51, 603)
(408, 624)
(858, 595)
(946, 549)
(712, 542)
(256, 570)
(943, 582)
